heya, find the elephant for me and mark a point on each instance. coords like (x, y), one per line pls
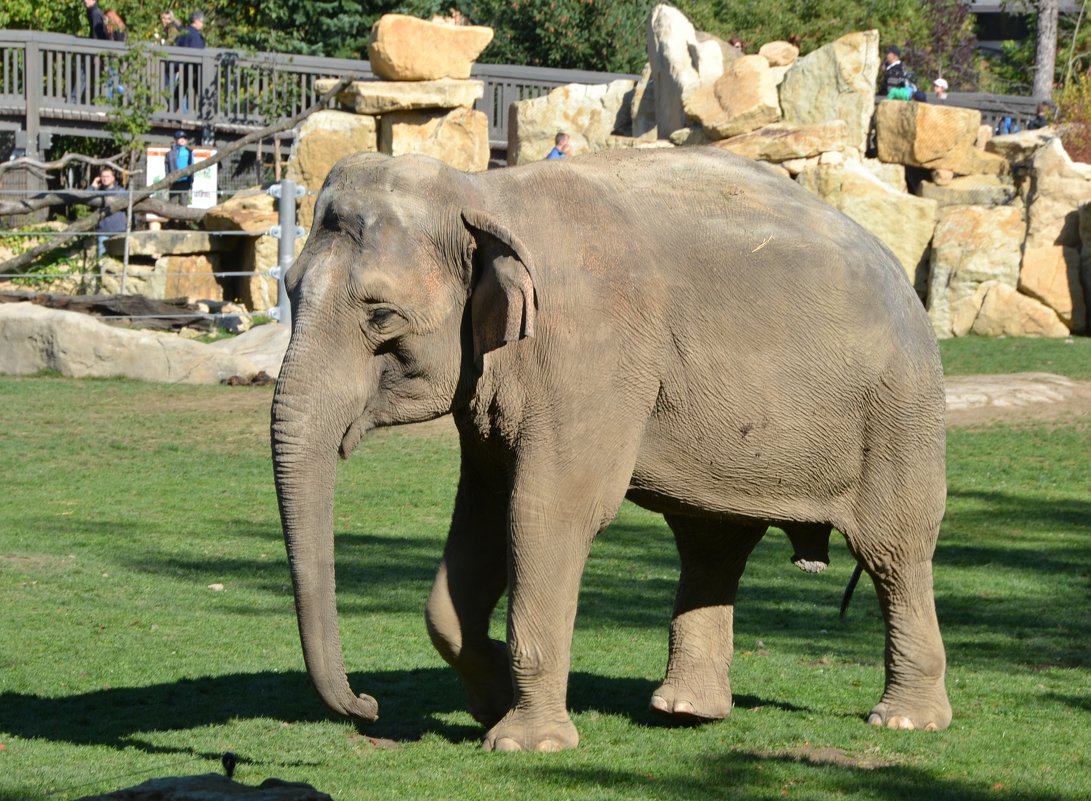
(682, 327)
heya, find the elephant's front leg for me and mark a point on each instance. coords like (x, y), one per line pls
(470, 581)
(552, 527)
(713, 556)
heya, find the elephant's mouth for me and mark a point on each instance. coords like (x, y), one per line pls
(353, 435)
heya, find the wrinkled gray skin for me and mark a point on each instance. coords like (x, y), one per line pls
(683, 328)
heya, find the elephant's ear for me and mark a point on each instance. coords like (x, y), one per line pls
(503, 294)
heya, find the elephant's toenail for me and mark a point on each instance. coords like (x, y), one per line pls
(507, 744)
(548, 745)
(875, 719)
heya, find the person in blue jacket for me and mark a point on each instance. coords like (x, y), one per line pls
(562, 146)
(179, 157)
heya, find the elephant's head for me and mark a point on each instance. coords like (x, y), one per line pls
(404, 285)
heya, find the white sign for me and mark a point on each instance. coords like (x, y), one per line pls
(203, 191)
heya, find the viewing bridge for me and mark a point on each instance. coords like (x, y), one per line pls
(53, 84)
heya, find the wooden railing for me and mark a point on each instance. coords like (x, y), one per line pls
(56, 84)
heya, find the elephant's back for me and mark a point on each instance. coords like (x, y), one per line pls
(709, 230)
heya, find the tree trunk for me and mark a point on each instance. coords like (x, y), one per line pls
(1045, 60)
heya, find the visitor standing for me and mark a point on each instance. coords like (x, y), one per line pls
(562, 146)
(106, 182)
(96, 20)
(193, 34)
(894, 76)
(179, 157)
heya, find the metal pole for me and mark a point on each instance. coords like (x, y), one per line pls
(288, 193)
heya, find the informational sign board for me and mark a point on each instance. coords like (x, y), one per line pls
(203, 192)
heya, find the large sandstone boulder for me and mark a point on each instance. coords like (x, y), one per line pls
(779, 54)
(403, 48)
(782, 142)
(253, 212)
(934, 137)
(743, 99)
(1058, 187)
(459, 137)
(325, 138)
(642, 107)
(970, 190)
(903, 222)
(379, 97)
(997, 309)
(972, 245)
(1085, 253)
(589, 114)
(34, 338)
(154, 244)
(1051, 275)
(679, 64)
(1019, 148)
(212, 787)
(835, 82)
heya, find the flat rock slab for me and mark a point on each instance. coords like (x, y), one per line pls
(381, 97)
(1022, 396)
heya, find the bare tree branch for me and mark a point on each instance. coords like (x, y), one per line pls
(96, 200)
(172, 211)
(42, 167)
(21, 263)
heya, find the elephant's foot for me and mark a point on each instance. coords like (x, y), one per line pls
(929, 715)
(521, 731)
(689, 704)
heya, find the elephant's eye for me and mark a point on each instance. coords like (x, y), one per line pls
(384, 319)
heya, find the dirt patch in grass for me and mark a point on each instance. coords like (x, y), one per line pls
(1031, 398)
(810, 755)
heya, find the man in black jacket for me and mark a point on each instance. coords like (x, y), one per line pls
(96, 20)
(188, 76)
(893, 76)
(191, 35)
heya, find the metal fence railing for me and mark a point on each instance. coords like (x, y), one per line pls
(116, 264)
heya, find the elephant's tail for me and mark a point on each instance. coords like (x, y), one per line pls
(850, 588)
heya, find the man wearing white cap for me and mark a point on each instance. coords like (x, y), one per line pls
(939, 86)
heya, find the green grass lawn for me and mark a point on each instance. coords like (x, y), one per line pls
(148, 624)
(969, 355)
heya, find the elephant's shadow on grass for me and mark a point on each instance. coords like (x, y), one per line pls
(412, 702)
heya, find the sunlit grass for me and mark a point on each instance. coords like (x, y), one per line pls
(148, 624)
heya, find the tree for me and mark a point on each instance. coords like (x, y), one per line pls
(604, 35)
(1045, 59)
(947, 46)
(816, 24)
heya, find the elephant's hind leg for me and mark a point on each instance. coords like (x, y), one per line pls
(896, 551)
(712, 557)
(915, 696)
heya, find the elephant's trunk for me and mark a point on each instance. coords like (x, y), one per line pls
(304, 461)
